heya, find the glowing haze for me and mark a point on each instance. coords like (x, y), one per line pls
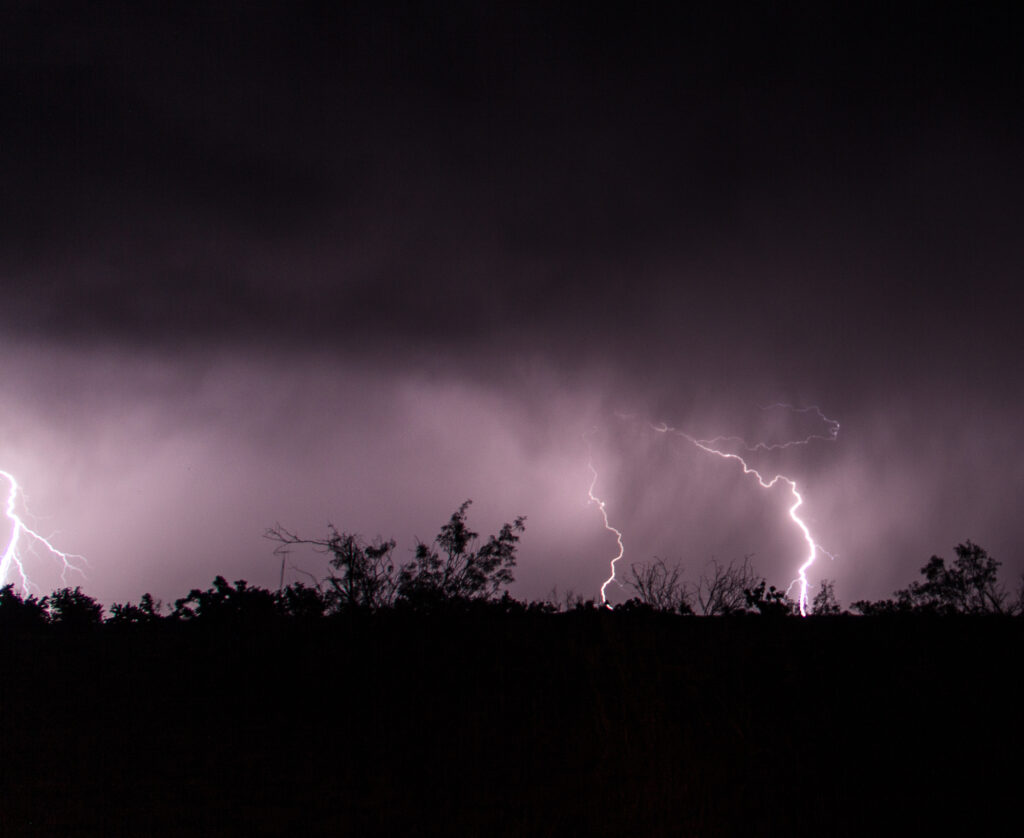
(300, 263)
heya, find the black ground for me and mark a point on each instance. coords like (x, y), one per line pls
(525, 724)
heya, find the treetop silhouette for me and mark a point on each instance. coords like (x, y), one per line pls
(970, 586)
(449, 569)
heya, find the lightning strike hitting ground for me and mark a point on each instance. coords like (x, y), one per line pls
(618, 535)
(714, 446)
(12, 558)
(709, 445)
(604, 517)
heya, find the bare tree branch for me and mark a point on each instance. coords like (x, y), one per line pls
(660, 586)
(723, 589)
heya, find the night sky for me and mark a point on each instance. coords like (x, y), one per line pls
(356, 263)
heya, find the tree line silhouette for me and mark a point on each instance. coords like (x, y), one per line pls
(333, 707)
(454, 572)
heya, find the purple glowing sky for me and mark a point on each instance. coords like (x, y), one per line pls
(305, 265)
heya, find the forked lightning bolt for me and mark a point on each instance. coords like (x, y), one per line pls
(709, 446)
(12, 559)
(712, 446)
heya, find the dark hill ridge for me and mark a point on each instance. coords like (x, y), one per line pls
(513, 724)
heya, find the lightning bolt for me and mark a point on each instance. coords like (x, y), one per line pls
(710, 445)
(604, 517)
(715, 446)
(12, 557)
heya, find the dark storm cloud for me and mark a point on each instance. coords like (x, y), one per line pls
(500, 224)
(226, 172)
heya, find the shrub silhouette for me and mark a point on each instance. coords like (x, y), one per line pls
(451, 569)
(146, 612)
(769, 602)
(297, 601)
(223, 604)
(723, 589)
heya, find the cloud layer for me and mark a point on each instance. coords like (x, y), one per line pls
(307, 264)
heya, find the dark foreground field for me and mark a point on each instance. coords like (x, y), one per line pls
(586, 723)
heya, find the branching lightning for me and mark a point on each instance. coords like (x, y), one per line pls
(12, 559)
(833, 432)
(715, 446)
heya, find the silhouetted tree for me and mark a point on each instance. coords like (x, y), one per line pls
(660, 586)
(970, 586)
(825, 602)
(146, 612)
(301, 602)
(723, 589)
(223, 604)
(366, 576)
(21, 612)
(451, 569)
(71, 608)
